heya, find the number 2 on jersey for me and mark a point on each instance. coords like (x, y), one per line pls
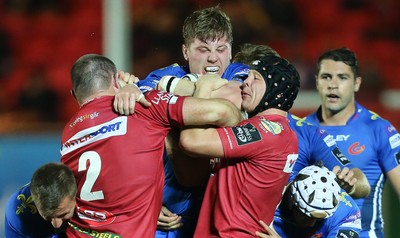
(92, 174)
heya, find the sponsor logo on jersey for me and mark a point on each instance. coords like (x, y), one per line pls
(340, 156)
(347, 233)
(391, 129)
(394, 140)
(290, 161)
(354, 223)
(115, 127)
(83, 117)
(246, 134)
(95, 218)
(356, 148)
(270, 126)
(329, 141)
(92, 233)
(342, 137)
(163, 96)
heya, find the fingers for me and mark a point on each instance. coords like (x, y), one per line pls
(269, 231)
(124, 103)
(127, 77)
(168, 220)
(143, 101)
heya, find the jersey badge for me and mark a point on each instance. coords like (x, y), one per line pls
(270, 126)
(394, 140)
(290, 161)
(246, 134)
(329, 141)
(356, 148)
(347, 233)
(25, 204)
(340, 156)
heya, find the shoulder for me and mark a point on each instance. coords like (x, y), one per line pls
(236, 71)
(21, 201)
(374, 121)
(172, 69)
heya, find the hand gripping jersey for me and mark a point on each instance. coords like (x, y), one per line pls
(259, 155)
(117, 162)
(178, 199)
(22, 218)
(315, 144)
(373, 145)
(235, 71)
(345, 222)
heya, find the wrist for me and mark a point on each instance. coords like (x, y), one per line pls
(352, 190)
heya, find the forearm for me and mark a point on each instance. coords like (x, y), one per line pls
(177, 86)
(201, 142)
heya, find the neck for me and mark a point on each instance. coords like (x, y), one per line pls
(337, 118)
(93, 97)
(273, 111)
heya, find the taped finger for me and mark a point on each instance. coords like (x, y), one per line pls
(140, 97)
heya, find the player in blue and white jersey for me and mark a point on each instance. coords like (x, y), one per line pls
(313, 205)
(369, 141)
(40, 208)
(207, 47)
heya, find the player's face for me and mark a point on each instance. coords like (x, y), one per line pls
(336, 85)
(202, 54)
(64, 212)
(253, 90)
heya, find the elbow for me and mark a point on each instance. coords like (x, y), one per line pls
(187, 142)
(228, 117)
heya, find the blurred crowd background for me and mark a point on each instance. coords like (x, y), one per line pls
(41, 39)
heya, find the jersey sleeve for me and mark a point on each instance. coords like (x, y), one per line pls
(166, 108)
(150, 82)
(240, 141)
(236, 72)
(388, 141)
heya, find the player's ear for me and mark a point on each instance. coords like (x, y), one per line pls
(185, 52)
(357, 84)
(73, 94)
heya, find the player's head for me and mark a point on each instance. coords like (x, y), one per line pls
(207, 35)
(314, 193)
(273, 82)
(92, 74)
(250, 52)
(343, 55)
(53, 189)
(337, 80)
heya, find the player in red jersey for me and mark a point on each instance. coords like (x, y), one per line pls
(117, 160)
(257, 155)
